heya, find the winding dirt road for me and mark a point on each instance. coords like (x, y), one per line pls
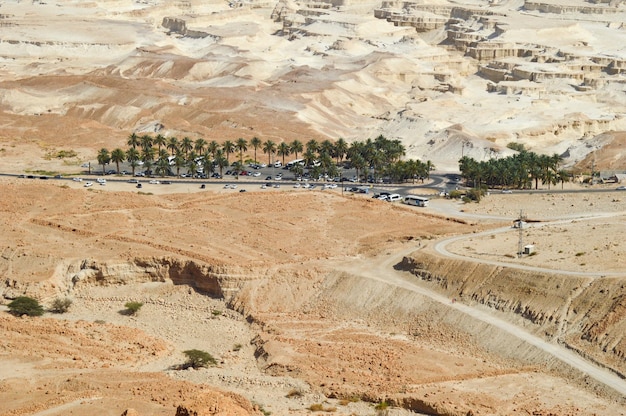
(382, 270)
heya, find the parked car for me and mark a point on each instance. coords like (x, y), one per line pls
(101, 180)
(139, 185)
(621, 188)
(133, 181)
(394, 198)
(77, 179)
(154, 182)
(88, 184)
(202, 186)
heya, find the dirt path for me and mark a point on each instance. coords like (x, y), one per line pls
(381, 269)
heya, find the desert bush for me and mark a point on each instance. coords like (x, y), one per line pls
(237, 347)
(132, 308)
(23, 305)
(455, 194)
(216, 312)
(61, 305)
(318, 407)
(347, 400)
(294, 393)
(198, 359)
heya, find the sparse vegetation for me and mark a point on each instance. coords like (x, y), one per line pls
(346, 401)
(216, 312)
(132, 308)
(318, 407)
(23, 305)
(294, 393)
(580, 253)
(60, 305)
(198, 359)
(237, 347)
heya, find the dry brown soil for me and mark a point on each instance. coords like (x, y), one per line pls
(259, 280)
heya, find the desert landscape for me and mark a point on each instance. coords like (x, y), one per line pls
(323, 301)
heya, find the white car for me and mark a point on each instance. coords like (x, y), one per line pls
(88, 184)
(256, 174)
(296, 185)
(154, 182)
(101, 180)
(77, 179)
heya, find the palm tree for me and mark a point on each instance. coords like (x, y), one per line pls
(283, 150)
(359, 163)
(186, 145)
(269, 147)
(104, 157)
(192, 168)
(146, 141)
(200, 145)
(160, 141)
(242, 146)
(207, 163)
(563, 176)
(179, 161)
(312, 145)
(172, 145)
(212, 147)
(326, 148)
(117, 157)
(133, 140)
(228, 147)
(162, 164)
(341, 148)
(147, 155)
(309, 157)
(220, 161)
(132, 156)
(296, 147)
(255, 142)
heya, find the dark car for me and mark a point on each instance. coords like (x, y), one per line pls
(269, 178)
(139, 185)
(202, 186)
(166, 182)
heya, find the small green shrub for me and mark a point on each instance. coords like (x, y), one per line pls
(580, 253)
(382, 405)
(216, 312)
(23, 305)
(455, 194)
(132, 308)
(237, 347)
(198, 359)
(61, 305)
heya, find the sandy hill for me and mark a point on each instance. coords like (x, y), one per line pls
(85, 75)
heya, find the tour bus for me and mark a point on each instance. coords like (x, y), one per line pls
(418, 201)
(293, 163)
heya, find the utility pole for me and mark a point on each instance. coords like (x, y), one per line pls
(520, 243)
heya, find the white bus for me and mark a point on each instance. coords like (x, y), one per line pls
(293, 163)
(418, 201)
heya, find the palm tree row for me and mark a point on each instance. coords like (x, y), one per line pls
(521, 171)
(381, 155)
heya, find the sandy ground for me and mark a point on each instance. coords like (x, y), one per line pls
(272, 333)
